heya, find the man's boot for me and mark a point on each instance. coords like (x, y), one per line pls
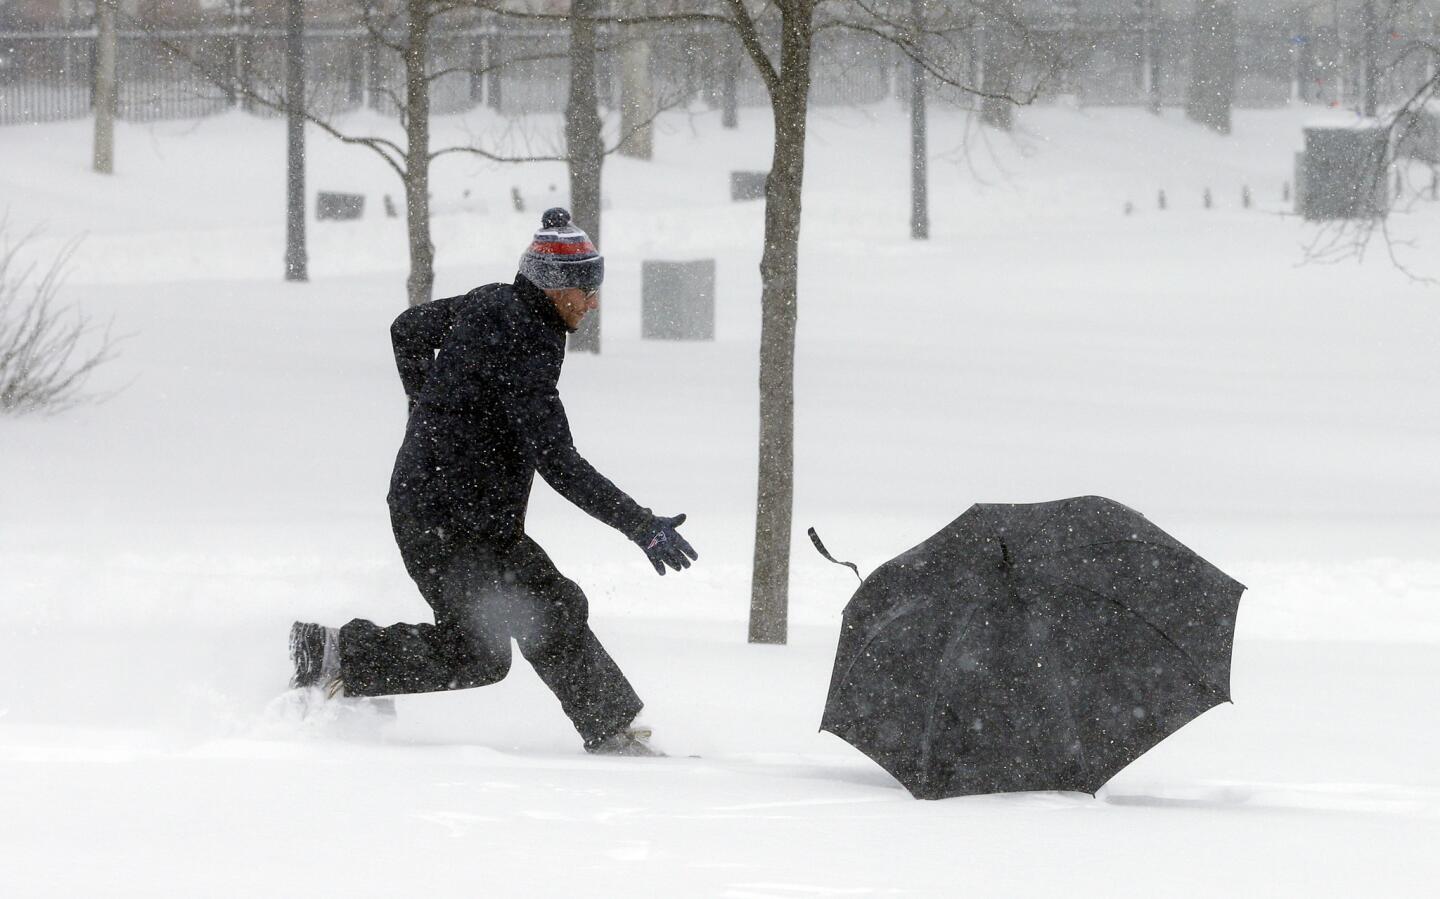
(315, 653)
(632, 740)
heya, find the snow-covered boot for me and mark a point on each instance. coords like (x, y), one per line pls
(632, 740)
(315, 653)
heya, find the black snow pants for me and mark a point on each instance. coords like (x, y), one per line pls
(483, 596)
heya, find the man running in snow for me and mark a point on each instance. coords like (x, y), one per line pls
(485, 416)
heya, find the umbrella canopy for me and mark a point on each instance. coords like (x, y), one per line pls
(1041, 646)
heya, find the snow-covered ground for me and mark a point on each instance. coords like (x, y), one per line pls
(1279, 418)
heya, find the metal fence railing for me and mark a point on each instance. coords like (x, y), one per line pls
(519, 68)
(45, 77)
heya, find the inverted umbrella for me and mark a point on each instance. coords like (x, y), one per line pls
(1039, 646)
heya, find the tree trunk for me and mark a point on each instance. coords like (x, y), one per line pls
(1000, 62)
(919, 200)
(637, 101)
(417, 152)
(494, 48)
(585, 149)
(1153, 83)
(374, 73)
(779, 270)
(729, 84)
(103, 95)
(1212, 67)
(296, 256)
(1371, 98)
(1299, 57)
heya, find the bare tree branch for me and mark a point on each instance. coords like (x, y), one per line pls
(44, 362)
(498, 8)
(903, 35)
(1350, 239)
(746, 25)
(663, 106)
(388, 150)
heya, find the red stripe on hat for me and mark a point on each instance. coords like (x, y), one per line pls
(574, 248)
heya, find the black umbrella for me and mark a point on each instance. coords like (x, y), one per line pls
(1041, 646)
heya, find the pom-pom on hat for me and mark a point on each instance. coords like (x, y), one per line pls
(561, 255)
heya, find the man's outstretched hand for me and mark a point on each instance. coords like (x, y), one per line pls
(663, 545)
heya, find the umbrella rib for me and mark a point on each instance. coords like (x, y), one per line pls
(1134, 540)
(875, 633)
(1042, 526)
(1177, 549)
(934, 698)
(1070, 716)
(1199, 672)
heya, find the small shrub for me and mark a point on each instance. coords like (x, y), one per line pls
(46, 352)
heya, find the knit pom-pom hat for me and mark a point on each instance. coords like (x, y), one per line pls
(561, 255)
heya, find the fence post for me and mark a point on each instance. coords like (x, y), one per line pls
(477, 68)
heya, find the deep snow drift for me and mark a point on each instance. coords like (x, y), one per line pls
(1278, 418)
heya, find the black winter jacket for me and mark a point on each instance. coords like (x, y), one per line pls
(486, 415)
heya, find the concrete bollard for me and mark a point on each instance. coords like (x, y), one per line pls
(330, 205)
(748, 185)
(677, 300)
(1345, 173)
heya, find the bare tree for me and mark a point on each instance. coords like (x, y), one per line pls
(1351, 239)
(46, 353)
(778, 37)
(1001, 34)
(406, 28)
(585, 149)
(1415, 120)
(934, 46)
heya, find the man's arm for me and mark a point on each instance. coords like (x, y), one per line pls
(524, 379)
(563, 468)
(532, 403)
(545, 431)
(415, 335)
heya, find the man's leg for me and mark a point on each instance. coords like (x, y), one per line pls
(465, 647)
(549, 618)
(418, 658)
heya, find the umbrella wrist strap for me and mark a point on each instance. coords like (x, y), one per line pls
(820, 547)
